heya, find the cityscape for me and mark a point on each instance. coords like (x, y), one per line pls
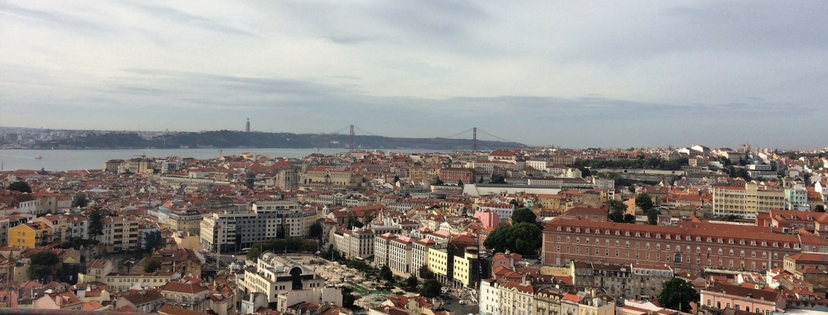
(320, 157)
(521, 231)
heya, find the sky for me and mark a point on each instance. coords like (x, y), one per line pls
(571, 73)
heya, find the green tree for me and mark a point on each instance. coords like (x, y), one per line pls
(95, 222)
(310, 246)
(152, 265)
(42, 266)
(585, 172)
(740, 172)
(629, 218)
(426, 273)
(524, 215)
(348, 299)
(460, 182)
(644, 202)
(80, 200)
(386, 274)
(497, 179)
(677, 294)
(431, 288)
(20, 186)
(522, 238)
(411, 283)
(254, 252)
(396, 178)
(616, 210)
(316, 230)
(652, 216)
(819, 208)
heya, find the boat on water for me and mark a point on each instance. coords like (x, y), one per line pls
(38, 157)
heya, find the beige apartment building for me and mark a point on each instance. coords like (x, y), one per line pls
(746, 200)
(465, 269)
(335, 177)
(120, 233)
(186, 221)
(399, 255)
(124, 281)
(4, 232)
(438, 263)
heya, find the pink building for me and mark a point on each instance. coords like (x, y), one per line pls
(8, 297)
(506, 260)
(488, 219)
(723, 296)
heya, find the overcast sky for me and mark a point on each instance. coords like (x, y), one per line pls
(574, 74)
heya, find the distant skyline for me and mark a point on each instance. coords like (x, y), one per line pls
(582, 74)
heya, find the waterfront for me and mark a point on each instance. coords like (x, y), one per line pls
(61, 160)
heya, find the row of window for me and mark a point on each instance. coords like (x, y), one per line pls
(731, 252)
(737, 307)
(679, 237)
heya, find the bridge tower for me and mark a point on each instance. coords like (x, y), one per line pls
(351, 139)
(474, 139)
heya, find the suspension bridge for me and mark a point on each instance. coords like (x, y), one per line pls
(351, 129)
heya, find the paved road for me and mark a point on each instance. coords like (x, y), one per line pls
(454, 306)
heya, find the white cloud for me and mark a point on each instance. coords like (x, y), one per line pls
(664, 72)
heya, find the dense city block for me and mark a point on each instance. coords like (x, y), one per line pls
(543, 231)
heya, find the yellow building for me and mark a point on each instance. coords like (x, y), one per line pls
(746, 201)
(465, 269)
(30, 235)
(438, 263)
(61, 230)
(763, 198)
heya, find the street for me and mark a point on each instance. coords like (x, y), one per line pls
(454, 305)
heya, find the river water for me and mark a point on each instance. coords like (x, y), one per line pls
(62, 160)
